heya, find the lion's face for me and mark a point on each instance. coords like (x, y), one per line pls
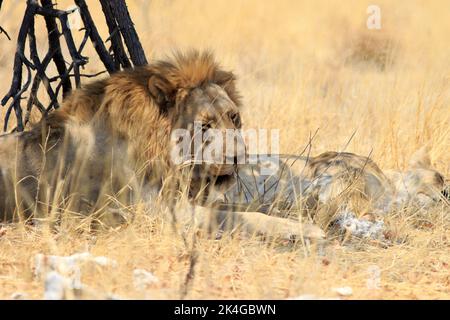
(213, 121)
(201, 102)
(424, 185)
(420, 183)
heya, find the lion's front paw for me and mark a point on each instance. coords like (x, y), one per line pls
(296, 230)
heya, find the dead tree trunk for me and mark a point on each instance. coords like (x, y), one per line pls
(121, 29)
(126, 27)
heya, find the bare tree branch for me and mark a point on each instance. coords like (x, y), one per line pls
(77, 58)
(1, 29)
(40, 68)
(95, 36)
(128, 32)
(120, 57)
(81, 75)
(15, 91)
(15, 103)
(67, 73)
(119, 25)
(55, 47)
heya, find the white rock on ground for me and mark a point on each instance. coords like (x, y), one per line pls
(143, 278)
(57, 287)
(69, 266)
(344, 291)
(62, 274)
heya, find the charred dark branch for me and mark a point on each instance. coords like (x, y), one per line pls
(122, 36)
(120, 57)
(126, 27)
(76, 56)
(5, 33)
(33, 100)
(81, 75)
(67, 73)
(15, 104)
(40, 67)
(55, 47)
(16, 91)
(95, 36)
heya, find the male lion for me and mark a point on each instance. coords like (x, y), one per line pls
(113, 136)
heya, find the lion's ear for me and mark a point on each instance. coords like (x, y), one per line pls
(162, 91)
(421, 158)
(224, 78)
(227, 80)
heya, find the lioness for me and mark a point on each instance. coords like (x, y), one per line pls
(334, 187)
(112, 137)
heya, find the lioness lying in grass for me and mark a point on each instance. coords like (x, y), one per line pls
(332, 188)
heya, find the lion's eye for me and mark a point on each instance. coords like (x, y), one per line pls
(236, 119)
(206, 126)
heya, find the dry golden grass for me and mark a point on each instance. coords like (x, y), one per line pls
(302, 65)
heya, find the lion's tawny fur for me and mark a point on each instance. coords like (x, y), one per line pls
(131, 110)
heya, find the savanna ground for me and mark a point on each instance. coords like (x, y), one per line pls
(302, 65)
